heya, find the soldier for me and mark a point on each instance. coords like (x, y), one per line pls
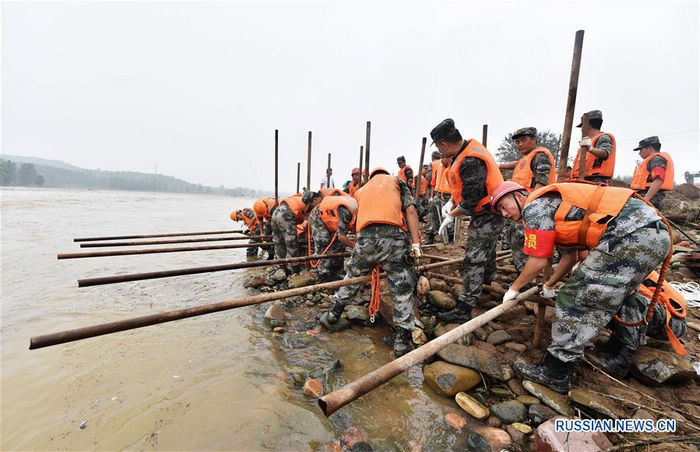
(473, 176)
(654, 176)
(421, 200)
(285, 219)
(330, 223)
(401, 161)
(626, 240)
(263, 208)
(434, 166)
(533, 170)
(351, 186)
(248, 217)
(386, 209)
(441, 194)
(600, 148)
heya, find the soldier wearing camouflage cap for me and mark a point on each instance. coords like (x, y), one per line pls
(599, 148)
(653, 177)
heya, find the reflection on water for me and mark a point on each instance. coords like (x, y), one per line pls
(210, 382)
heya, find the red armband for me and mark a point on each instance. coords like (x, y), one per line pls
(658, 173)
(539, 243)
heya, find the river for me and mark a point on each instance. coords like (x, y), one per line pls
(209, 382)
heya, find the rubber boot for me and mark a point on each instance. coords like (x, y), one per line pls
(403, 342)
(551, 372)
(335, 312)
(460, 314)
(614, 364)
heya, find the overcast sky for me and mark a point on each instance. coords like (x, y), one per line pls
(197, 88)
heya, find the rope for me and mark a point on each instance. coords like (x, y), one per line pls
(315, 264)
(376, 299)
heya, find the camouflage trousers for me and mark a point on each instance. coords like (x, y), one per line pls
(284, 235)
(392, 255)
(253, 250)
(634, 308)
(321, 237)
(422, 206)
(436, 204)
(516, 239)
(479, 264)
(596, 290)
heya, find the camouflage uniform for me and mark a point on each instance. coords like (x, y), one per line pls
(321, 237)
(633, 244)
(284, 235)
(267, 230)
(389, 247)
(253, 250)
(604, 143)
(658, 199)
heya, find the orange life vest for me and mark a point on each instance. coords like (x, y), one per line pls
(423, 188)
(402, 173)
(252, 223)
(435, 167)
(328, 210)
(523, 173)
(379, 201)
(602, 204)
(263, 207)
(642, 176)
(332, 192)
(352, 188)
(442, 184)
(493, 174)
(606, 169)
(672, 301)
(297, 207)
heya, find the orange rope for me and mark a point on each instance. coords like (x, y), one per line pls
(376, 299)
(315, 264)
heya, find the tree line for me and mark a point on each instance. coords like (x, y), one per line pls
(25, 175)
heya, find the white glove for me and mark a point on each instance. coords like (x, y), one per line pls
(512, 293)
(447, 208)
(445, 223)
(415, 250)
(585, 141)
(548, 292)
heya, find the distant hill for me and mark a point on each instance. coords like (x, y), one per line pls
(61, 174)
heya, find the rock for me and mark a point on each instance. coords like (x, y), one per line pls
(429, 323)
(447, 379)
(279, 329)
(596, 403)
(654, 367)
(517, 387)
(480, 333)
(313, 387)
(358, 313)
(442, 329)
(509, 411)
(501, 392)
(515, 434)
(439, 284)
(456, 421)
(352, 436)
(279, 275)
(274, 316)
(423, 287)
(471, 405)
(548, 439)
(498, 337)
(341, 325)
(558, 402)
(522, 428)
(493, 421)
(300, 280)
(520, 348)
(477, 359)
(539, 413)
(477, 443)
(498, 439)
(527, 400)
(419, 337)
(641, 413)
(457, 289)
(441, 300)
(255, 281)
(515, 313)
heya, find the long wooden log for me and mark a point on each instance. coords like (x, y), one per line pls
(177, 314)
(151, 236)
(196, 270)
(419, 173)
(570, 107)
(276, 166)
(436, 258)
(337, 399)
(454, 279)
(161, 250)
(169, 242)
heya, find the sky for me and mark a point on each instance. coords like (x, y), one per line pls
(196, 89)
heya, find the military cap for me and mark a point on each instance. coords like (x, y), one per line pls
(308, 197)
(531, 131)
(443, 130)
(648, 142)
(400, 158)
(436, 155)
(593, 114)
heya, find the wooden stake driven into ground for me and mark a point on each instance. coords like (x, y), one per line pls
(308, 164)
(570, 106)
(276, 167)
(484, 134)
(417, 176)
(298, 174)
(361, 158)
(367, 136)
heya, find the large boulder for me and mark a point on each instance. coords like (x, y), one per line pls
(447, 379)
(274, 316)
(548, 439)
(654, 367)
(477, 359)
(441, 300)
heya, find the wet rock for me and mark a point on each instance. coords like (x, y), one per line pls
(493, 421)
(522, 428)
(274, 316)
(442, 329)
(313, 387)
(361, 447)
(516, 435)
(527, 400)
(352, 436)
(516, 312)
(498, 439)
(501, 392)
(419, 337)
(471, 405)
(423, 287)
(439, 284)
(278, 275)
(255, 281)
(480, 333)
(598, 404)
(509, 411)
(477, 359)
(641, 413)
(539, 413)
(654, 367)
(300, 280)
(516, 346)
(517, 387)
(447, 379)
(341, 325)
(441, 300)
(548, 439)
(457, 289)
(456, 421)
(357, 313)
(477, 443)
(498, 337)
(429, 323)
(558, 402)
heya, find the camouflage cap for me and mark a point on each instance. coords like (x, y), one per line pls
(308, 197)
(443, 130)
(648, 142)
(593, 114)
(400, 158)
(531, 131)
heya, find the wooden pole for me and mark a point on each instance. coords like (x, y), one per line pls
(329, 161)
(570, 107)
(276, 167)
(308, 165)
(484, 134)
(367, 137)
(160, 250)
(170, 242)
(298, 174)
(149, 236)
(169, 316)
(420, 169)
(337, 399)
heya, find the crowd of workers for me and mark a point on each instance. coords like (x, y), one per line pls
(609, 240)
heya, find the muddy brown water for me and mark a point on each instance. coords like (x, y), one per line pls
(210, 382)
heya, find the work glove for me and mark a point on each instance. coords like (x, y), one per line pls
(548, 292)
(512, 293)
(445, 223)
(415, 250)
(448, 207)
(585, 141)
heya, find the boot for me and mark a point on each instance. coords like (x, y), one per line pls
(551, 372)
(430, 238)
(403, 342)
(615, 364)
(334, 313)
(460, 314)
